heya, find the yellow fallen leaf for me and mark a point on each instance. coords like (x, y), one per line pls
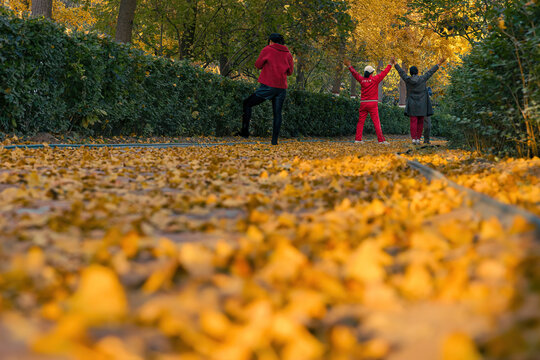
(343, 338)
(521, 225)
(491, 229)
(100, 298)
(417, 282)
(114, 348)
(35, 261)
(211, 199)
(196, 259)
(376, 348)
(161, 277)
(63, 338)
(254, 234)
(304, 346)
(130, 244)
(51, 311)
(214, 323)
(491, 270)
(367, 262)
(285, 263)
(459, 346)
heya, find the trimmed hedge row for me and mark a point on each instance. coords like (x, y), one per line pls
(52, 81)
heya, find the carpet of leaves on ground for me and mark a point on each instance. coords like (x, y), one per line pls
(320, 250)
(511, 181)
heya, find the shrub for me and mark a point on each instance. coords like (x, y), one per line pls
(52, 81)
(494, 97)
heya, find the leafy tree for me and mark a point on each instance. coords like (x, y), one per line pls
(227, 35)
(231, 44)
(500, 81)
(381, 33)
(72, 14)
(468, 19)
(318, 32)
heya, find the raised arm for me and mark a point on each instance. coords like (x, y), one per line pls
(430, 73)
(402, 72)
(379, 77)
(261, 60)
(433, 70)
(355, 74)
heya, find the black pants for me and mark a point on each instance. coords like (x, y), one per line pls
(278, 98)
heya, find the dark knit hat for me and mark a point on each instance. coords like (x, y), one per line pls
(277, 38)
(413, 70)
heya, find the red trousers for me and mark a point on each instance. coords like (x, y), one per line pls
(371, 108)
(417, 126)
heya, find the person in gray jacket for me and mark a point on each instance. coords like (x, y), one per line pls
(418, 104)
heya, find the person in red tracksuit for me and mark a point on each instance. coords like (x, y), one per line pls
(276, 63)
(369, 99)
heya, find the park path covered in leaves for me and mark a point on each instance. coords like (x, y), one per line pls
(308, 250)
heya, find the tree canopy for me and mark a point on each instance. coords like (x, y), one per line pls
(225, 36)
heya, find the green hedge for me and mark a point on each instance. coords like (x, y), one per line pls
(54, 82)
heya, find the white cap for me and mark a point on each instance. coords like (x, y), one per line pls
(369, 69)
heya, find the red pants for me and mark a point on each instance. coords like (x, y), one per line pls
(417, 126)
(371, 107)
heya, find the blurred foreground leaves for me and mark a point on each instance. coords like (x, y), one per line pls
(303, 251)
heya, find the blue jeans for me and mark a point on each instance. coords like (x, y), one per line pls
(263, 93)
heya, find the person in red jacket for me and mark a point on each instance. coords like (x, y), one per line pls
(369, 99)
(276, 63)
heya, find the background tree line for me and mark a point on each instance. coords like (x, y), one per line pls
(492, 46)
(225, 36)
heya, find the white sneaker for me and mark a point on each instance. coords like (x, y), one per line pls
(358, 141)
(384, 143)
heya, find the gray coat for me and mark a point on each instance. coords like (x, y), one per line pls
(418, 102)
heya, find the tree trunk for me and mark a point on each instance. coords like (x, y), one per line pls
(403, 87)
(353, 87)
(188, 36)
(300, 73)
(161, 37)
(379, 69)
(338, 75)
(224, 64)
(42, 8)
(124, 26)
(224, 67)
(336, 84)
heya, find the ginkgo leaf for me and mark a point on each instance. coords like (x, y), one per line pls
(459, 346)
(100, 297)
(62, 339)
(196, 259)
(367, 263)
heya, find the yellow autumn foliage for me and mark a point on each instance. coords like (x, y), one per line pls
(73, 17)
(381, 34)
(110, 254)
